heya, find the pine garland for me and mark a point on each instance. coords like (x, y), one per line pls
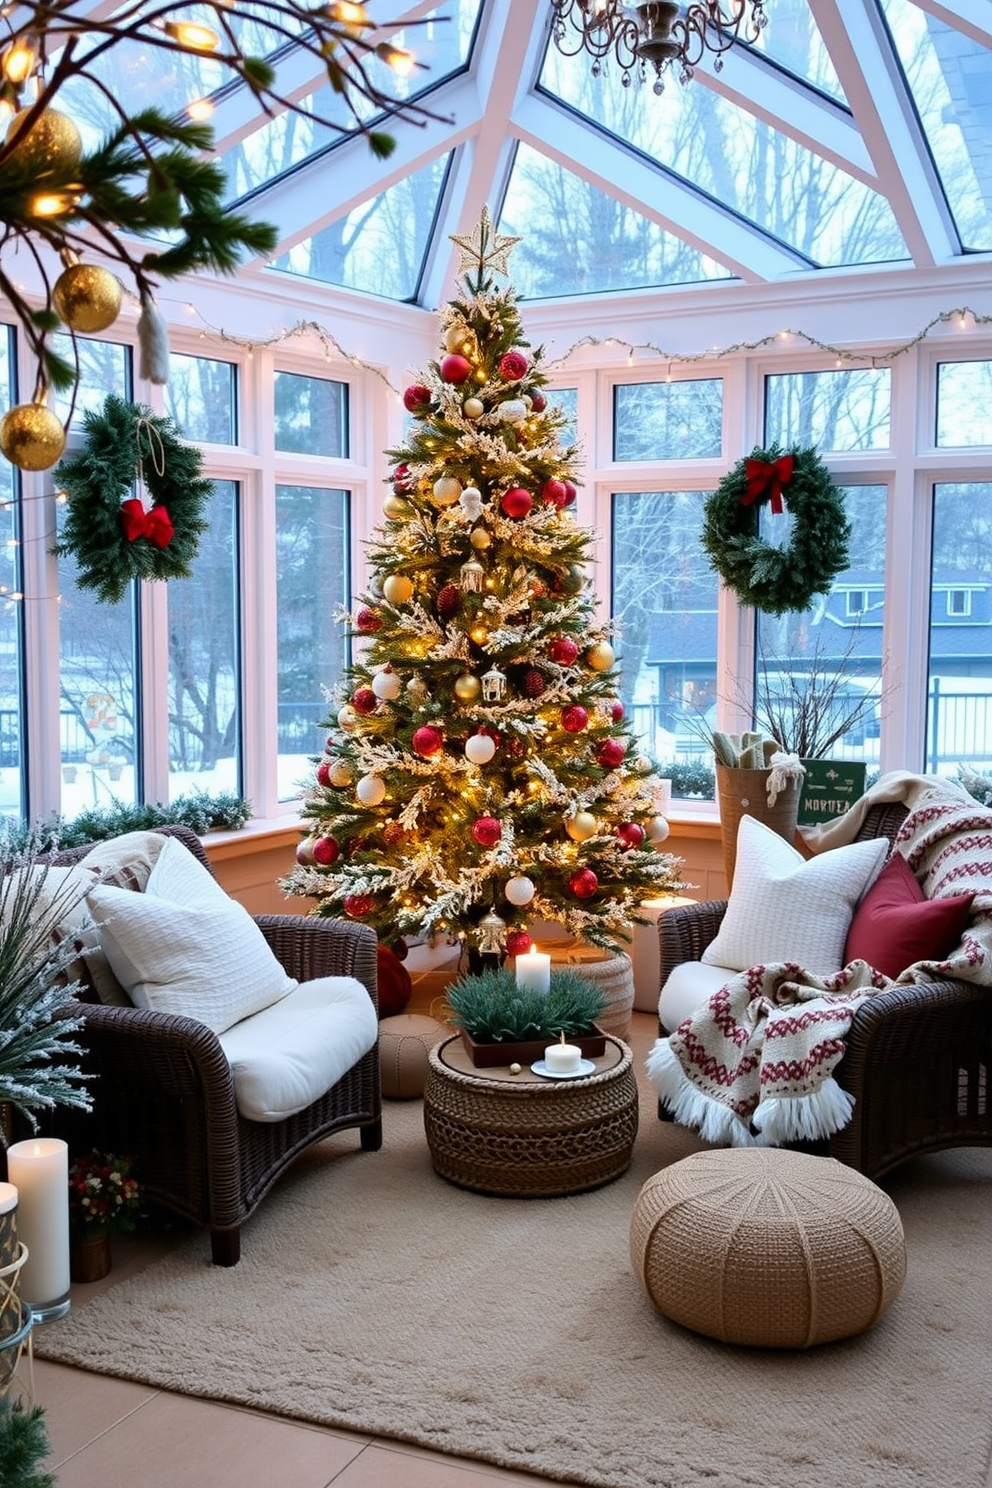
(124, 440)
(777, 579)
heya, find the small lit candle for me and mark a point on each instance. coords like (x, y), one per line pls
(534, 971)
(562, 1059)
(39, 1169)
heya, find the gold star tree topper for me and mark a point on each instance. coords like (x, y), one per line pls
(483, 248)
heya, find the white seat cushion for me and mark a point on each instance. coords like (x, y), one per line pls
(689, 986)
(286, 1056)
(785, 908)
(184, 946)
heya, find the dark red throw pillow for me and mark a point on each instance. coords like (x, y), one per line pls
(895, 925)
(395, 986)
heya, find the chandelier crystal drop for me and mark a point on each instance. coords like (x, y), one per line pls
(655, 33)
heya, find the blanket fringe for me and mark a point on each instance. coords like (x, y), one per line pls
(692, 1107)
(804, 1118)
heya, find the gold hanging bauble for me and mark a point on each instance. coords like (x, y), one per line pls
(467, 687)
(87, 298)
(480, 538)
(53, 143)
(31, 436)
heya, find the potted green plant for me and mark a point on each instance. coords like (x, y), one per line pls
(502, 1023)
(104, 1200)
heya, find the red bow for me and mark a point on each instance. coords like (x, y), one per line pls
(767, 479)
(156, 524)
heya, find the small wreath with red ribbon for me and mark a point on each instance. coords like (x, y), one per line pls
(797, 488)
(114, 535)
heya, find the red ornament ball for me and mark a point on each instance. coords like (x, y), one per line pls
(512, 366)
(416, 397)
(514, 747)
(570, 492)
(538, 402)
(449, 599)
(487, 831)
(583, 883)
(392, 834)
(616, 711)
(357, 905)
(574, 718)
(324, 774)
(490, 733)
(564, 651)
(611, 753)
(455, 369)
(518, 942)
(534, 682)
(553, 492)
(517, 502)
(427, 740)
(402, 483)
(368, 621)
(630, 834)
(364, 700)
(400, 950)
(325, 851)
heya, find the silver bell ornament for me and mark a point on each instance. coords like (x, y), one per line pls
(492, 934)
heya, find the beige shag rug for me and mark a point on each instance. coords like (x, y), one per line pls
(373, 1295)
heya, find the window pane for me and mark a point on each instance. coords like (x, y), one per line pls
(312, 582)
(98, 704)
(794, 42)
(567, 399)
(819, 672)
(665, 597)
(311, 415)
(205, 661)
(11, 611)
(831, 410)
(201, 396)
(959, 713)
(964, 403)
(103, 368)
(668, 420)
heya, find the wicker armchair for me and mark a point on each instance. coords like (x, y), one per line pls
(917, 1058)
(163, 1088)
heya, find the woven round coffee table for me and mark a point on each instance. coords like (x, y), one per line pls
(524, 1136)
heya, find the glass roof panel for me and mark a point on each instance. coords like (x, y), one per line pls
(781, 186)
(577, 240)
(442, 44)
(792, 41)
(380, 246)
(950, 77)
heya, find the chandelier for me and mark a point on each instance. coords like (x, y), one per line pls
(655, 32)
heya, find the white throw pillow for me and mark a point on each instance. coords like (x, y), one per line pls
(184, 946)
(784, 907)
(124, 862)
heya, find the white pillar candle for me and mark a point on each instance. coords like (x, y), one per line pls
(534, 971)
(39, 1168)
(562, 1059)
(645, 951)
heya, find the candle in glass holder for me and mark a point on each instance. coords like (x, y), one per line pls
(562, 1058)
(533, 971)
(10, 1311)
(39, 1169)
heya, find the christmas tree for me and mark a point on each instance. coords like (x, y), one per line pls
(479, 773)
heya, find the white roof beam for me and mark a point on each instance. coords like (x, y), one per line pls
(971, 17)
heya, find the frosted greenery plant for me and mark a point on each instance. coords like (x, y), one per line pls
(494, 1010)
(36, 997)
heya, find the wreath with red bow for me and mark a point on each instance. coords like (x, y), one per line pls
(114, 535)
(777, 570)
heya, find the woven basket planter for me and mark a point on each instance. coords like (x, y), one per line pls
(613, 974)
(745, 793)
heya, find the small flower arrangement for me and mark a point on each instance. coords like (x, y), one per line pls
(103, 1194)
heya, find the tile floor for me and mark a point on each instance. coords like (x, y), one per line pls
(110, 1433)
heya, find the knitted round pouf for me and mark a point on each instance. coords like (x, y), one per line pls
(767, 1247)
(404, 1043)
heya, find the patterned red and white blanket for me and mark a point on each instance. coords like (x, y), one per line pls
(754, 1066)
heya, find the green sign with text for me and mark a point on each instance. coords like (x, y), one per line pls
(830, 787)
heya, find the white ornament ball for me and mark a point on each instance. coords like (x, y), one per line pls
(643, 765)
(340, 773)
(398, 589)
(519, 891)
(473, 408)
(387, 686)
(479, 749)
(658, 830)
(370, 790)
(447, 489)
(581, 826)
(513, 410)
(601, 656)
(347, 718)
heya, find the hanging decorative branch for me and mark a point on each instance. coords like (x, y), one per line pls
(112, 535)
(798, 489)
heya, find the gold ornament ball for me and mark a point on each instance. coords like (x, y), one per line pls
(53, 143)
(473, 408)
(31, 436)
(396, 507)
(87, 298)
(447, 489)
(601, 656)
(455, 336)
(514, 1068)
(480, 539)
(398, 589)
(581, 826)
(467, 687)
(340, 773)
